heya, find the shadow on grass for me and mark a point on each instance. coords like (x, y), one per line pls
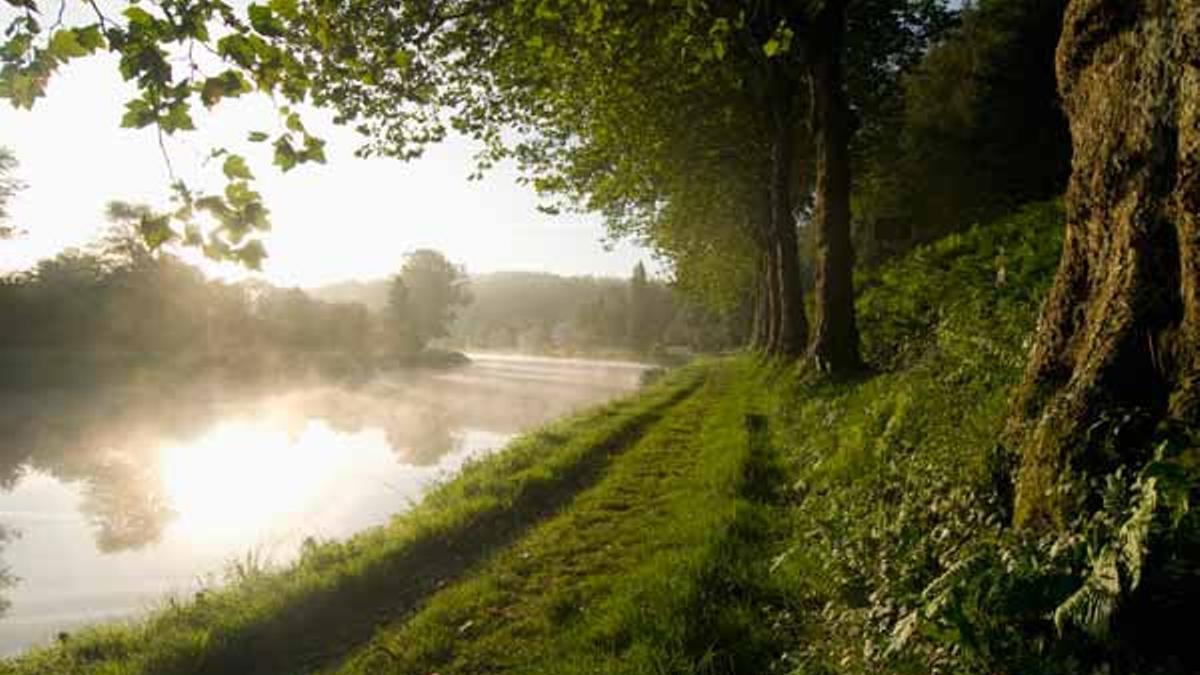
(321, 628)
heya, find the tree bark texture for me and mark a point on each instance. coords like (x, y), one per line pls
(1120, 330)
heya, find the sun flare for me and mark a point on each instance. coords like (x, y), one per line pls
(243, 476)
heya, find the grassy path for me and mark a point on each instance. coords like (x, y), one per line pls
(637, 575)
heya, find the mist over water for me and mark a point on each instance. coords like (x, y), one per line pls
(124, 494)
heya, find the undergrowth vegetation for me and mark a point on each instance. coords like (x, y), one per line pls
(900, 556)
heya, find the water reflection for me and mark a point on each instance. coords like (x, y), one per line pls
(126, 493)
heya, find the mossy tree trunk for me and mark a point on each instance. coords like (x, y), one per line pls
(834, 346)
(1120, 330)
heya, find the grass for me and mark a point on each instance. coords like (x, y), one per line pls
(737, 517)
(618, 583)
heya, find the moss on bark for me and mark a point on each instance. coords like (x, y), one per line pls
(1120, 331)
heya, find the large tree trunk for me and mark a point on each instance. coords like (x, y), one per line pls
(1120, 330)
(834, 345)
(791, 324)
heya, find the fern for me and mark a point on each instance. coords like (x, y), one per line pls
(1092, 607)
(1116, 567)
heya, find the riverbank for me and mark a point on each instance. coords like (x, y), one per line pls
(337, 590)
(734, 517)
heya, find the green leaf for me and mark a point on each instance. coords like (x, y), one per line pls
(288, 9)
(64, 45)
(258, 136)
(178, 118)
(19, 88)
(140, 19)
(239, 195)
(314, 150)
(138, 114)
(17, 46)
(226, 85)
(251, 254)
(771, 48)
(265, 22)
(90, 37)
(294, 123)
(156, 230)
(214, 205)
(235, 167)
(285, 154)
(238, 49)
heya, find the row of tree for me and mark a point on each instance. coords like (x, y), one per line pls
(714, 129)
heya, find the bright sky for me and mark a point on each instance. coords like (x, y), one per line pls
(348, 219)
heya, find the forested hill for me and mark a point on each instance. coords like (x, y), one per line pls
(373, 293)
(552, 294)
(542, 312)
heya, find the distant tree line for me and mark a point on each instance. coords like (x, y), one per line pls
(118, 304)
(546, 313)
(539, 312)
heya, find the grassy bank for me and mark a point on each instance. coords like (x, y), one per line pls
(618, 583)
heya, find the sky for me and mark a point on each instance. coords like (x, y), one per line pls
(349, 219)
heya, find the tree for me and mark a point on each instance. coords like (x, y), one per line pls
(1117, 349)
(975, 130)
(9, 187)
(399, 318)
(641, 310)
(569, 81)
(423, 299)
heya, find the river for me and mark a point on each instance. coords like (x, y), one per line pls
(120, 497)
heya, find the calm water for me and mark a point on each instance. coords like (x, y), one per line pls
(124, 495)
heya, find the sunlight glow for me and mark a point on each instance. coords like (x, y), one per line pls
(241, 477)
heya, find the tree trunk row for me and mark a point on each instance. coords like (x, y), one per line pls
(782, 325)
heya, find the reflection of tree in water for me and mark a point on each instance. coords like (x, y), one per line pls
(422, 435)
(420, 426)
(6, 578)
(107, 444)
(125, 504)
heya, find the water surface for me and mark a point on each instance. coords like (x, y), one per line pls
(124, 495)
